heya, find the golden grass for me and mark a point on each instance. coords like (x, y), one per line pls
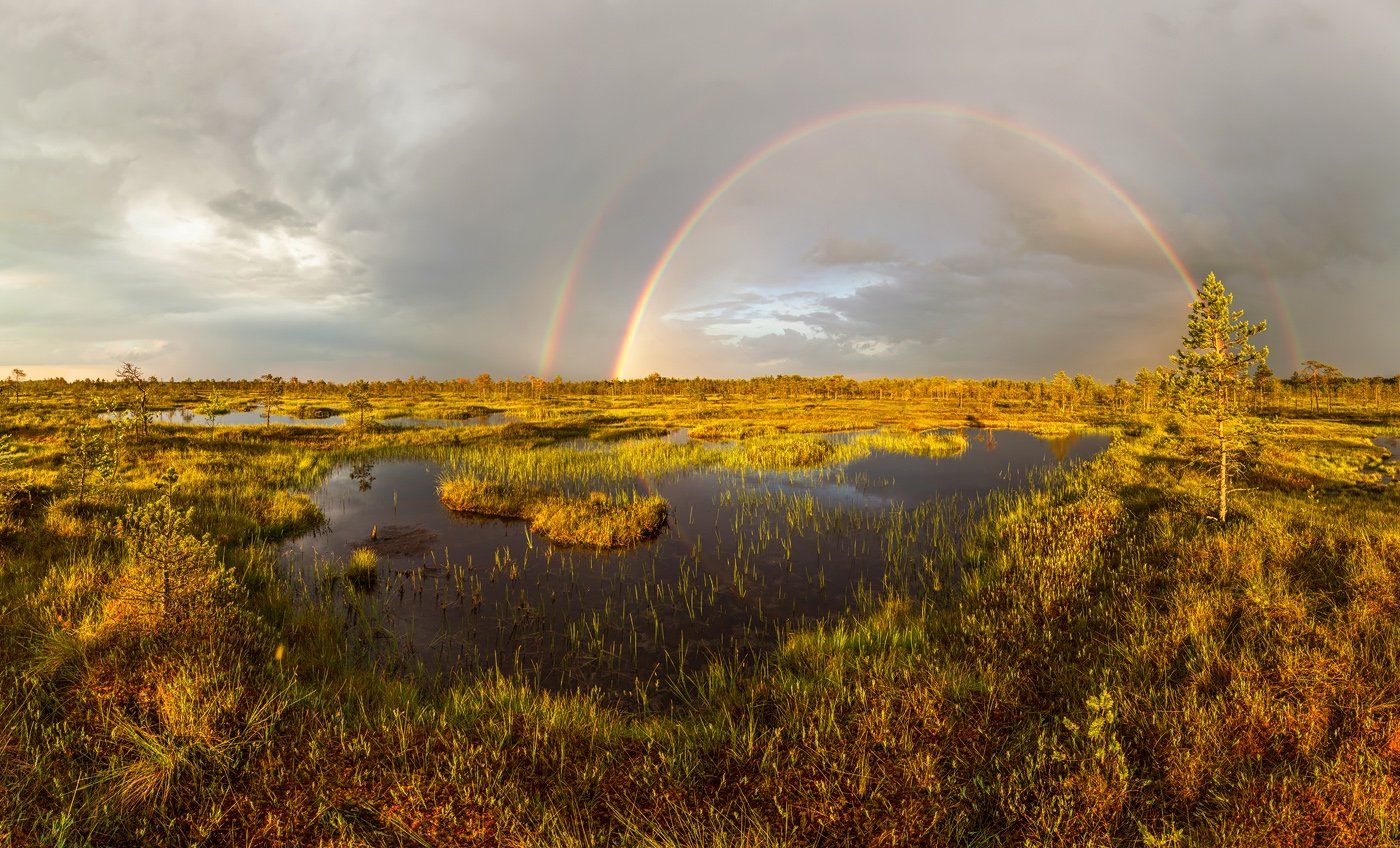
(596, 520)
(1115, 669)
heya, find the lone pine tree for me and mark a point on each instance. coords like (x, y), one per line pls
(1213, 365)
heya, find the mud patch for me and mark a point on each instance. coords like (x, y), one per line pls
(400, 540)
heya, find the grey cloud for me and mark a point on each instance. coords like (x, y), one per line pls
(344, 188)
(838, 250)
(259, 213)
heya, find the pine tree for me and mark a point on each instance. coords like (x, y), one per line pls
(134, 377)
(88, 461)
(1213, 367)
(270, 386)
(171, 574)
(358, 397)
(1062, 389)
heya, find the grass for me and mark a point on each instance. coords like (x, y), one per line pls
(362, 569)
(1113, 668)
(597, 520)
(781, 453)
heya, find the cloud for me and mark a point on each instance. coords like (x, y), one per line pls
(836, 250)
(258, 213)
(347, 188)
(125, 349)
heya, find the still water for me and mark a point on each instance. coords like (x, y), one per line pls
(248, 417)
(745, 555)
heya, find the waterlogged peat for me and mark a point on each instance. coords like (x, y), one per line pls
(744, 555)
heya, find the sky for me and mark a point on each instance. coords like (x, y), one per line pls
(342, 189)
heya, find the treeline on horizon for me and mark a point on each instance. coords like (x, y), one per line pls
(1316, 384)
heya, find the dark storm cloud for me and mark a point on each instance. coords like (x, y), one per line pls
(342, 189)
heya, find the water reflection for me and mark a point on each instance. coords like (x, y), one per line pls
(744, 555)
(305, 417)
(362, 473)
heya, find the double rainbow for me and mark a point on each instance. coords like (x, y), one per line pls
(793, 136)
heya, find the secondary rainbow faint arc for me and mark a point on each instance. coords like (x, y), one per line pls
(829, 120)
(583, 249)
(565, 298)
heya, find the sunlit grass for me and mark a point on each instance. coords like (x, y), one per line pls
(1113, 668)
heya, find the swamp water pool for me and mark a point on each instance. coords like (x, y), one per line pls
(255, 416)
(745, 555)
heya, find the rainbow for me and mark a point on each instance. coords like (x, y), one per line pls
(583, 249)
(823, 122)
(1281, 315)
(564, 300)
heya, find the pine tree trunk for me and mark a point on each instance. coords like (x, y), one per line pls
(1221, 434)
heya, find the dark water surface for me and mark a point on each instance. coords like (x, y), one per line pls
(744, 555)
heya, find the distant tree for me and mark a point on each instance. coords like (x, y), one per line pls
(1149, 387)
(132, 376)
(1319, 377)
(1062, 390)
(1120, 393)
(483, 383)
(1213, 365)
(358, 398)
(270, 388)
(1084, 388)
(16, 377)
(1265, 384)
